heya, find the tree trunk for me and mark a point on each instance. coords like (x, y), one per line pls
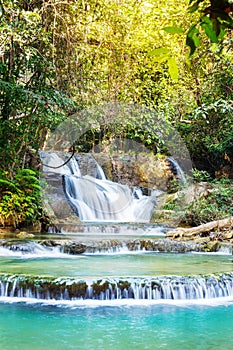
(194, 231)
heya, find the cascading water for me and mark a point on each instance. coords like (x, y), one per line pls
(177, 169)
(100, 173)
(98, 199)
(166, 288)
(104, 200)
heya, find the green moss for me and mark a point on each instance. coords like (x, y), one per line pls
(123, 285)
(100, 286)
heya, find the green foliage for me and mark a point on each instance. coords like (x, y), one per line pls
(19, 198)
(218, 204)
(215, 204)
(30, 102)
(209, 135)
(60, 57)
(215, 20)
(201, 176)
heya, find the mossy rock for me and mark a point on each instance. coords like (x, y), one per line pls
(24, 234)
(229, 235)
(170, 217)
(213, 246)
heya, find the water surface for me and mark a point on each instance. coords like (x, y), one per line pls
(168, 327)
(97, 265)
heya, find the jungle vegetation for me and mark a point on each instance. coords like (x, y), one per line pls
(60, 57)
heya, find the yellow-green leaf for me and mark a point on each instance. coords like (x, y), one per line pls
(173, 69)
(173, 30)
(159, 52)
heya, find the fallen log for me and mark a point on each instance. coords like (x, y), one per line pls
(194, 231)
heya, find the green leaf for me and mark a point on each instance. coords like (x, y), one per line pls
(159, 52)
(160, 59)
(173, 69)
(194, 7)
(209, 30)
(192, 39)
(173, 30)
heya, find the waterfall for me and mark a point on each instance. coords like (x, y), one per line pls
(57, 248)
(103, 200)
(53, 163)
(100, 173)
(98, 199)
(74, 167)
(177, 169)
(95, 198)
(155, 288)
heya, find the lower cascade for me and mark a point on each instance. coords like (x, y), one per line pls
(155, 288)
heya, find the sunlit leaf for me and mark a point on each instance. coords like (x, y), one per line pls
(194, 7)
(173, 30)
(159, 52)
(172, 68)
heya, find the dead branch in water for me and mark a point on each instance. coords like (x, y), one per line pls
(194, 231)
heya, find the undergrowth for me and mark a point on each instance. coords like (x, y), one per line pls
(19, 198)
(215, 204)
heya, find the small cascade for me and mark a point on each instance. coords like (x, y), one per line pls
(103, 200)
(57, 248)
(96, 198)
(53, 163)
(156, 288)
(177, 170)
(61, 164)
(29, 249)
(100, 173)
(74, 167)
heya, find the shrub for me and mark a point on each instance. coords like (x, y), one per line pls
(20, 198)
(218, 204)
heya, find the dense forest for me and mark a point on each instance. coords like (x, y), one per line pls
(58, 58)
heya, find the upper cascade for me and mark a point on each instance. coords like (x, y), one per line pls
(96, 198)
(177, 169)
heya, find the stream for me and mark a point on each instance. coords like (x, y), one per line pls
(107, 284)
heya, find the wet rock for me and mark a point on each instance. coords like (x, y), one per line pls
(74, 248)
(50, 243)
(213, 246)
(87, 164)
(24, 234)
(169, 217)
(228, 235)
(143, 169)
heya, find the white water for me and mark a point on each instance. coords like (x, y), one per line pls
(156, 288)
(94, 303)
(100, 173)
(34, 250)
(74, 167)
(104, 200)
(53, 163)
(180, 173)
(98, 199)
